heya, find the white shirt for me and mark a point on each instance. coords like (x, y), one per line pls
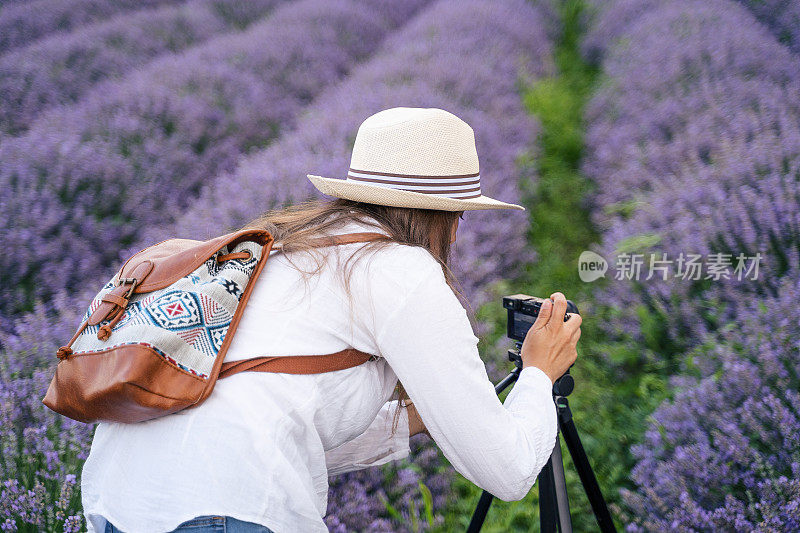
(261, 447)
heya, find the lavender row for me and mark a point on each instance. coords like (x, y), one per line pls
(609, 21)
(358, 501)
(695, 155)
(782, 17)
(725, 454)
(60, 69)
(694, 143)
(42, 452)
(690, 62)
(25, 22)
(466, 60)
(86, 179)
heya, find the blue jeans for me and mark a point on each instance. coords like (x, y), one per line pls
(211, 524)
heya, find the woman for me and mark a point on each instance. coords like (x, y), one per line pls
(257, 454)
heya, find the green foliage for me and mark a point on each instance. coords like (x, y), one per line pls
(427, 501)
(390, 509)
(626, 208)
(638, 243)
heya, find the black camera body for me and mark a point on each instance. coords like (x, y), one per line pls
(522, 312)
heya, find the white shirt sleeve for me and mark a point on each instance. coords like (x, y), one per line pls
(375, 446)
(428, 341)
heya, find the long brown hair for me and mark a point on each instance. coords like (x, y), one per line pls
(297, 226)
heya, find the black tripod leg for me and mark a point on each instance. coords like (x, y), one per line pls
(480, 512)
(548, 509)
(553, 501)
(560, 490)
(589, 481)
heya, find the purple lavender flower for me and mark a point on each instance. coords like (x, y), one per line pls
(41, 450)
(782, 17)
(73, 524)
(606, 21)
(134, 152)
(60, 69)
(699, 155)
(725, 453)
(24, 22)
(694, 157)
(390, 498)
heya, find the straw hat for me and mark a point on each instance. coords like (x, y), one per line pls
(413, 157)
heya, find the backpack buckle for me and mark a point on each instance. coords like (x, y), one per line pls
(133, 281)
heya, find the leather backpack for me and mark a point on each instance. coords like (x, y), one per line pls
(153, 340)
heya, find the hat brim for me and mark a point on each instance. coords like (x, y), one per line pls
(375, 194)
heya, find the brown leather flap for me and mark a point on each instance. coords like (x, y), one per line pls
(173, 259)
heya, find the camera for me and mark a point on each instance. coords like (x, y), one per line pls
(522, 313)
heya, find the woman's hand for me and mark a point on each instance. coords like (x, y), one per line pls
(550, 344)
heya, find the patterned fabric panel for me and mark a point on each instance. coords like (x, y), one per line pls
(185, 323)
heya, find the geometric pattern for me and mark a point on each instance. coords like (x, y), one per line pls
(175, 310)
(200, 326)
(185, 323)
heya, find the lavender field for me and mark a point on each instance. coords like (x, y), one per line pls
(693, 141)
(641, 130)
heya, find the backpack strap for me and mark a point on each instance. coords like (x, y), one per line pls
(309, 364)
(292, 364)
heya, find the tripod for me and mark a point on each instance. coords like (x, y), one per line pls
(553, 501)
